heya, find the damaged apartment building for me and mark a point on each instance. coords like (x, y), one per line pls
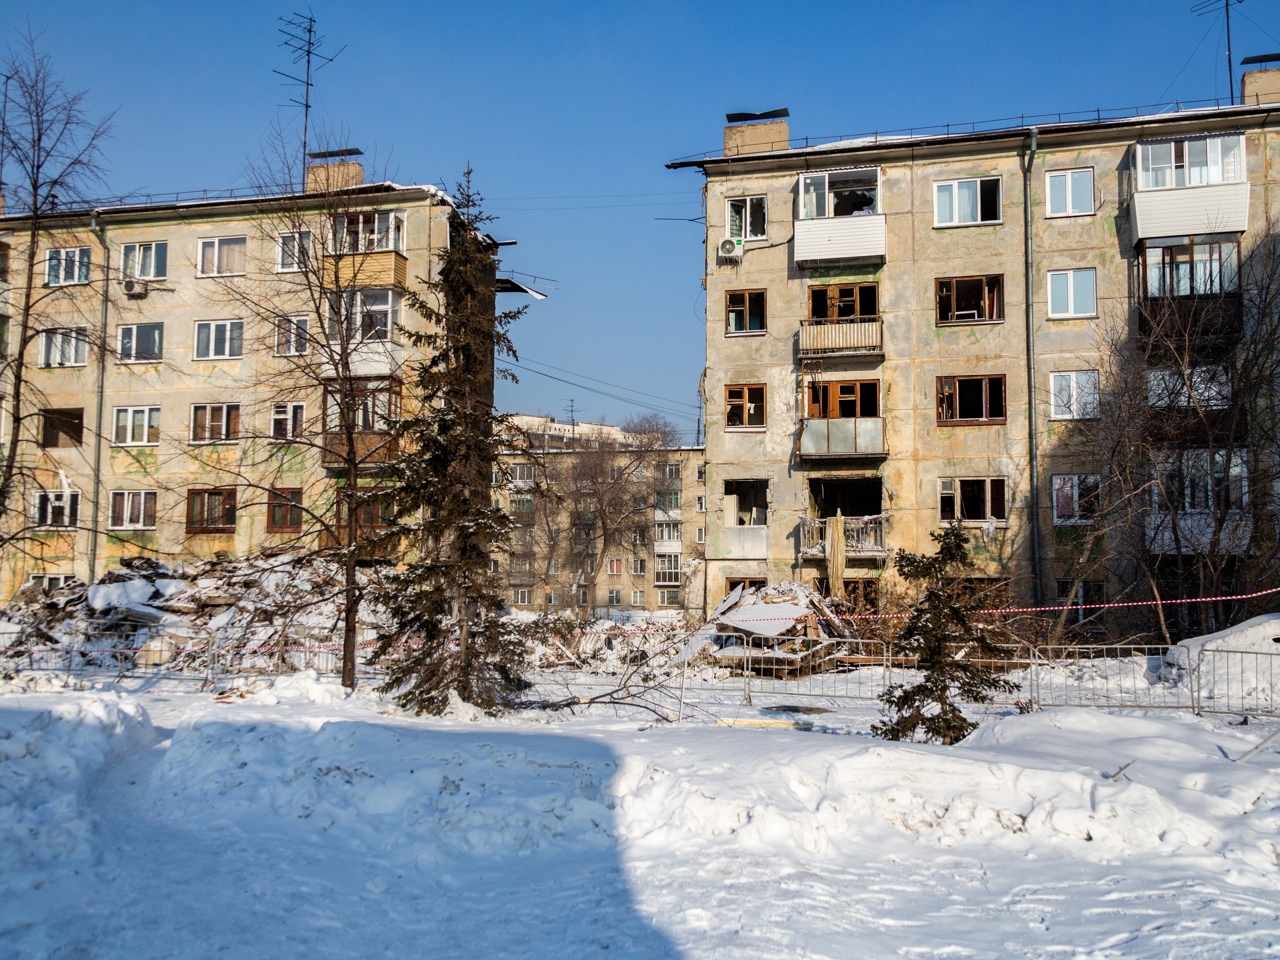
(901, 328)
(203, 375)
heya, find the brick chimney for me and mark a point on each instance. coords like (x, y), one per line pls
(1260, 86)
(740, 138)
(327, 177)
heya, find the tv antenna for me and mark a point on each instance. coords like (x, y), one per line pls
(300, 37)
(1206, 7)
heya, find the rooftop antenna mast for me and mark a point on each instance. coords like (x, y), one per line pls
(1205, 7)
(300, 37)
(573, 424)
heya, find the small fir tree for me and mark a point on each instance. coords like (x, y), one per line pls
(443, 633)
(941, 636)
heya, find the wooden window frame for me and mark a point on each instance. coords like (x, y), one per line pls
(284, 503)
(986, 401)
(230, 423)
(956, 492)
(833, 304)
(744, 401)
(1091, 500)
(947, 286)
(197, 516)
(148, 500)
(746, 296)
(813, 406)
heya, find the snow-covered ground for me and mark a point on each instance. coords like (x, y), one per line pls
(150, 820)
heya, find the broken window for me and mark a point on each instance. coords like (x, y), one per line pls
(842, 193)
(744, 311)
(133, 509)
(972, 499)
(744, 406)
(746, 503)
(965, 400)
(853, 497)
(55, 508)
(970, 299)
(215, 422)
(844, 398)
(746, 583)
(211, 510)
(746, 219)
(1084, 597)
(853, 302)
(960, 202)
(136, 426)
(141, 342)
(1075, 498)
(284, 511)
(62, 428)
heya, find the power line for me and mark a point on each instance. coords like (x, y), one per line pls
(604, 393)
(609, 383)
(1188, 63)
(593, 196)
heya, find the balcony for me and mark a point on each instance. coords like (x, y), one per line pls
(1200, 533)
(348, 271)
(371, 448)
(666, 578)
(848, 437)
(1182, 211)
(863, 537)
(520, 578)
(841, 338)
(823, 239)
(1199, 319)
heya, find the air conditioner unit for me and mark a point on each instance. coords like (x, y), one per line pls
(134, 288)
(730, 249)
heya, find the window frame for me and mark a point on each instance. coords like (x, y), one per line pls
(226, 420)
(301, 243)
(1142, 149)
(522, 596)
(833, 314)
(1091, 592)
(1078, 407)
(347, 322)
(954, 184)
(291, 337)
(827, 204)
(228, 339)
(59, 422)
(82, 261)
(397, 232)
(284, 503)
(986, 280)
(746, 201)
(638, 566)
(1078, 517)
(956, 492)
(746, 329)
(218, 243)
(745, 402)
(132, 355)
(1073, 313)
(131, 259)
(68, 500)
(667, 526)
(144, 499)
(77, 336)
(294, 417)
(665, 597)
(383, 399)
(986, 401)
(1065, 173)
(834, 400)
(130, 412)
(1212, 243)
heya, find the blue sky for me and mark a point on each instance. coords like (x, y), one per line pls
(569, 111)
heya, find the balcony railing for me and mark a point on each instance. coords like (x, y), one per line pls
(840, 238)
(1181, 211)
(371, 448)
(834, 338)
(844, 437)
(863, 536)
(666, 578)
(1198, 317)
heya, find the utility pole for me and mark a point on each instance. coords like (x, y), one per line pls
(1205, 7)
(573, 425)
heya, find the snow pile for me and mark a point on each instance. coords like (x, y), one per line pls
(1238, 668)
(49, 749)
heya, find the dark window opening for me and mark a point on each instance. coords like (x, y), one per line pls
(971, 399)
(62, 428)
(970, 299)
(745, 311)
(859, 497)
(853, 302)
(284, 511)
(752, 499)
(842, 399)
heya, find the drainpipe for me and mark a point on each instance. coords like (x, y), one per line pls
(1027, 159)
(96, 516)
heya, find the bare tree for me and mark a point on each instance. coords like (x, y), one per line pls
(56, 149)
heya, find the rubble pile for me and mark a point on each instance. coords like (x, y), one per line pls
(259, 612)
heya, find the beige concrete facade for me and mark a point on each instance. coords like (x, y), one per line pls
(900, 244)
(547, 570)
(203, 368)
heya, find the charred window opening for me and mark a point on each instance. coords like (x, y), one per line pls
(746, 503)
(972, 499)
(971, 299)
(853, 302)
(966, 400)
(857, 497)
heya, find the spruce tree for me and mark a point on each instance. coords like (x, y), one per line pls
(941, 636)
(443, 604)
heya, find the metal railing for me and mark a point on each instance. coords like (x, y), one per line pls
(863, 536)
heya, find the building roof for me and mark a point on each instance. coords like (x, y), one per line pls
(986, 131)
